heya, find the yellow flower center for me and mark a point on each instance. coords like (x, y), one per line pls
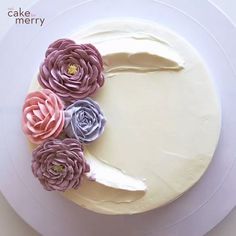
(58, 168)
(72, 69)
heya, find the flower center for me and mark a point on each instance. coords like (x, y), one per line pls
(58, 168)
(72, 69)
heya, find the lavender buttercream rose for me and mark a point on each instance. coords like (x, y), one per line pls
(71, 71)
(59, 164)
(84, 120)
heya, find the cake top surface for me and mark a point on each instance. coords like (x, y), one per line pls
(162, 117)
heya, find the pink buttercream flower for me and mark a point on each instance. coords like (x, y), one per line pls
(72, 71)
(43, 116)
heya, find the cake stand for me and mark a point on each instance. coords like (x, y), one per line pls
(22, 49)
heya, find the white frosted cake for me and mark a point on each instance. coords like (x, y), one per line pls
(161, 116)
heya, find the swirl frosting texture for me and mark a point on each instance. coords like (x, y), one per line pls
(71, 70)
(84, 120)
(43, 116)
(59, 164)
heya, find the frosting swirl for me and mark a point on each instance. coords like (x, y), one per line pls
(84, 120)
(59, 164)
(70, 70)
(42, 116)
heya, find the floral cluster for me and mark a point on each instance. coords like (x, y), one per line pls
(69, 74)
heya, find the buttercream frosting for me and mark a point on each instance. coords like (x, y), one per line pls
(42, 116)
(59, 164)
(139, 55)
(84, 120)
(112, 177)
(71, 71)
(163, 118)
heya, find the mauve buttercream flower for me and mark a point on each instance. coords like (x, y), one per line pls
(84, 120)
(43, 116)
(72, 71)
(59, 164)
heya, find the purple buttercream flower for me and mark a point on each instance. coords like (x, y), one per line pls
(84, 120)
(71, 71)
(59, 164)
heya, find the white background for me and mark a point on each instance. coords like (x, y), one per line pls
(10, 223)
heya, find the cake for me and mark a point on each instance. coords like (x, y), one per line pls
(123, 116)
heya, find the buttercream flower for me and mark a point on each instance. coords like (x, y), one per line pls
(43, 116)
(72, 71)
(84, 120)
(59, 164)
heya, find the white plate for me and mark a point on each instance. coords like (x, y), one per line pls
(197, 211)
